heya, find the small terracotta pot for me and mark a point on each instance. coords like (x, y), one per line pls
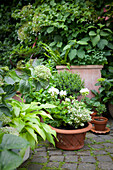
(71, 139)
(100, 123)
(92, 116)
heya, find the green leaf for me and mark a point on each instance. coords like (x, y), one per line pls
(44, 114)
(16, 111)
(52, 44)
(95, 40)
(81, 53)
(50, 138)
(24, 86)
(10, 141)
(110, 45)
(48, 129)
(72, 54)
(50, 29)
(102, 43)
(92, 33)
(81, 42)
(67, 47)
(18, 124)
(104, 34)
(4, 109)
(9, 160)
(32, 133)
(9, 80)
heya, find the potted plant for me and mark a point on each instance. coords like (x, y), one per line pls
(100, 121)
(70, 120)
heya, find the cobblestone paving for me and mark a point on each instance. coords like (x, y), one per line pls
(97, 154)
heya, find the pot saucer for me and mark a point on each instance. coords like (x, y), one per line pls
(107, 130)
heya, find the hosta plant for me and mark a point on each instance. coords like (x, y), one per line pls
(27, 122)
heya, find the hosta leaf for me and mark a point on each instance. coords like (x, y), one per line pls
(48, 129)
(18, 124)
(50, 138)
(32, 133)
(9, 160)
(44, 114)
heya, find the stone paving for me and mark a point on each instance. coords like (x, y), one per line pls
(97, 154)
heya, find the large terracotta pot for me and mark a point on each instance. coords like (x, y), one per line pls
(89, 73)
(71, 139)
(100, 123)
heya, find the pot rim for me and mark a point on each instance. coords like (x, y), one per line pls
(76, 131)
(98, 117)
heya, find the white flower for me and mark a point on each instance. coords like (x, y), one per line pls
(67, 99)
(62, 93)
(53, 91)
(84, 91)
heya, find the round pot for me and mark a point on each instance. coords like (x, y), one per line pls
(92, 116)
(100, 123)
(71, 139)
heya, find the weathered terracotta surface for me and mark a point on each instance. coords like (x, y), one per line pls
(89, 73)
(71, 139)
(100, 124)
(92, 116)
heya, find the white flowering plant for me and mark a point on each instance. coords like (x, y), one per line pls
(69, 113)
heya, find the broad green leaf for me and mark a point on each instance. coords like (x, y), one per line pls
(18, 124)
(85, 39)
(2, 91)
(44, 114)
(72, 54)
(110, 45)
(4, 109)
(14, 76)
(9, 80)
(104, 34)
(48, 129)
(101, 89)
(102, 43)
(59, 44)
(50, 29)
(10, 141)
(110, 69)
(32, 119)
(47, 105)
(52, 44)
(81, 53)
(95, 40)
(24, 86)
(9, 160)
(50, 138)
(31, 131)
(92, 33)
(37, 129)
(67, 47)
(16, 111)
(81, 42)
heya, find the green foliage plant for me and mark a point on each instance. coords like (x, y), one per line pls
(27, 122)
(9, 159)
(71, 82)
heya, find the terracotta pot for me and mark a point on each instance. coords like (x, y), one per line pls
(92, 116)
(100, 123)
(71, 139)
(89, 73)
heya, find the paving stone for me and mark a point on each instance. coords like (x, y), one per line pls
(40, 149)
(110, 150)
(39, 159)
(40, 153)
(99, 152)
(104, 158)
(91, 135)
(90, 159)
(34, 167)
(71, 166)
(86, 166)
(56, 158)
(85, 147)
(97, 146)
(108, 144)
(106, 165)
(69, 153)
(107, 137)
(87, 141)
(51, 148)
(70, 158)
(56, 152)
(83, 153)
(99, 139)
(53, 164)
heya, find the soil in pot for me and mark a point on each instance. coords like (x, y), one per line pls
(100, 123)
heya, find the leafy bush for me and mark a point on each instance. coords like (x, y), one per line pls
(71, 82)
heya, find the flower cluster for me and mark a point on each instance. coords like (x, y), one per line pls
(54, 91)
(42, 72)
(84, 92)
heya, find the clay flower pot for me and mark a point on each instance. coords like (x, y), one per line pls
(71, 139)
(100, 123)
